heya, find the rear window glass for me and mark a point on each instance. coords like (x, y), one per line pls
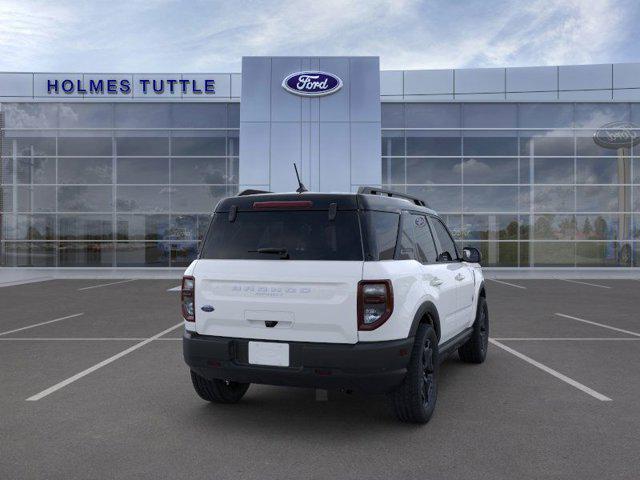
(281, 235)
(382, 234)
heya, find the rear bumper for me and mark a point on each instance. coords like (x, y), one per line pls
(372, 367)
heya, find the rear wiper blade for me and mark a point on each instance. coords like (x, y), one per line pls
(284, 254)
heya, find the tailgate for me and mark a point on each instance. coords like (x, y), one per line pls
(311, 301)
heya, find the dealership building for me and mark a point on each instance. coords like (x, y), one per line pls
(535, 166)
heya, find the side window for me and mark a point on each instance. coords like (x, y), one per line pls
(425, 247)
(406, 245)
(446, 246)
(382, 232)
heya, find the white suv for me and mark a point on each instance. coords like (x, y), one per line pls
(363, 292)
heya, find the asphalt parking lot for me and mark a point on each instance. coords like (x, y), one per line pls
(93, 385)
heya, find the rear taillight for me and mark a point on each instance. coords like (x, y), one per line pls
(375, 303)
(187, 298)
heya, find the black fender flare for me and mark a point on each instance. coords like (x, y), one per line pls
(482, 293)
(427, 308)
(481, 290)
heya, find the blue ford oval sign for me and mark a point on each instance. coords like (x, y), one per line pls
(312, 83)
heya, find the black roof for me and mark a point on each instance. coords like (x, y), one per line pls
(321, 201)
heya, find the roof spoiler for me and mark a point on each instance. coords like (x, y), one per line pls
(391, 193)
(251, 191)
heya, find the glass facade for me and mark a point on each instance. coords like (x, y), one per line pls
(115, 184)
(524, 182)
(112, 184)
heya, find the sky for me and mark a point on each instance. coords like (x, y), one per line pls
(212, 36)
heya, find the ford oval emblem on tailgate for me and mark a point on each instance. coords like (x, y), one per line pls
(207, 308)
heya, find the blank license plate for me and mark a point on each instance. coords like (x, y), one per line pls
(269, 353)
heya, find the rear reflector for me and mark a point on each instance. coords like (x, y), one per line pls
(283, 204)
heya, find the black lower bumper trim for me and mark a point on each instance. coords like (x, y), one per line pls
(372, 367)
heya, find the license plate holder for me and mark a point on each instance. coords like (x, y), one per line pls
(275, 354)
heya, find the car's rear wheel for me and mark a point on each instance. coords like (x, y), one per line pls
(475, 349)
(218, 391)
(415, 400)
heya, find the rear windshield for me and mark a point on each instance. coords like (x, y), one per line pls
(282, 235)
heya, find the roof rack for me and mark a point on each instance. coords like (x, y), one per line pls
(251, 191)
(391, 193)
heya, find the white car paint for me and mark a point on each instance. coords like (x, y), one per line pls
(414, 284)
(312, 301)
(316, 301)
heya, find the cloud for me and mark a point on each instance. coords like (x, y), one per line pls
(171, 36)
(536, 32)
(550, 33)
(26, 32)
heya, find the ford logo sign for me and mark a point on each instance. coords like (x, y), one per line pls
(312, 83)
(617, 135)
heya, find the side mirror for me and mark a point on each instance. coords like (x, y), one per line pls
(471, 255)
(444, 257)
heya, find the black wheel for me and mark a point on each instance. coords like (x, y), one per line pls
(218, 391)
(415, 400)
(475, 349)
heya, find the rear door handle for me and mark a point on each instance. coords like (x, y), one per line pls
(435, 282)
(459, 277)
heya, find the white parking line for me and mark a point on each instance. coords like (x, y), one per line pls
(15, 283)
(174, 339)
(551, 371)
(507, 283)
(584, 283)
(636, 334)
(70, 339)
(106, 284)
(109, 360)
(571, 339)
(97, 339)
(41, 323)
(175, 289)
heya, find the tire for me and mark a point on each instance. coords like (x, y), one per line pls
(475, 349)
(218, 391)
(415, 399)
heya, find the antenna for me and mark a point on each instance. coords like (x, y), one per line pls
(301, 188)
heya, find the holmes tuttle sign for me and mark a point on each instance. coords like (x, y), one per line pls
(124, 86)
(312, 83)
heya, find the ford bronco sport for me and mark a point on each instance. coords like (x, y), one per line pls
(365, 291)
